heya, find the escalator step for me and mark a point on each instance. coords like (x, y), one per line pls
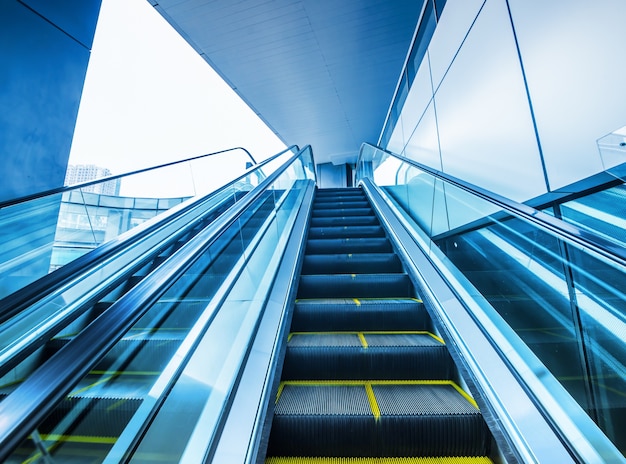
(366, 419)
(332, 212)
(335, 191)
(346, 198)
(342, 203)
(366, 355)
(90, 417)
(140, 351)
(344, 221)
(355, 286)
(348, 245)
(346, 231)
(172, 314)
(359, 314)
(385, 460)
(365, 263)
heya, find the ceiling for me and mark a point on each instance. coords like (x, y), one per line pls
(318, 72)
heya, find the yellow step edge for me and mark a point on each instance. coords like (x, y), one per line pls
(359, 300)
(370, 332)
(78, 439)
(118, 373)
(389, 460)
(372, 400)
(365, 383)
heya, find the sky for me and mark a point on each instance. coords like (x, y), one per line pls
(149, 98)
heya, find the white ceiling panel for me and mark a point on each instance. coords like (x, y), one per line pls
(319, 72)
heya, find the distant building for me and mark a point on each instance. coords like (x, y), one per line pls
(79, 173)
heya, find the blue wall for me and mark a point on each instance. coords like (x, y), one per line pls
(44, 51)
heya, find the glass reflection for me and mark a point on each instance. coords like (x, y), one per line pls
(184, 353)
(45, 234)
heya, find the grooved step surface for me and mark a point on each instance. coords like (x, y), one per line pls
(367, 263)
(385, 460)
(344, 221)
(355, 286)
(348, 245)
(404, 419)
(346, 232)
(359, 314)
(366, 355)
(356, 202)
(333, 212)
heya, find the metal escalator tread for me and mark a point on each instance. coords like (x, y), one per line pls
(349, 263)
(352, 202)
(346, 231)
(349, 211)
(359, 314)
(356, 355)
(348, 245)
(377, 418)
(343, 220)
(384, 460)
(355, 286)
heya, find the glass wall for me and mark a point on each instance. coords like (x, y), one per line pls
(513, 97)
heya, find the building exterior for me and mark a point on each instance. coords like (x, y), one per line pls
(77, 174)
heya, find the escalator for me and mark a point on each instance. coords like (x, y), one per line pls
(95, 353)
(364, 375)
(88, 422)
(298, 326)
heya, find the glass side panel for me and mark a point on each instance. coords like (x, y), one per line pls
(565, 303)
(600, 295)
(603, 213)
(27, 235)
(46, 234)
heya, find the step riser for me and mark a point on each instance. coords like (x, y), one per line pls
(336, 318)
(94, 417)
(342, 203)
(462, 435)
(344, 221)
(351, 264)
(346, 232)
(406, 363)
(342, 212)
(355, 286)
(356, 245)
(131, 355)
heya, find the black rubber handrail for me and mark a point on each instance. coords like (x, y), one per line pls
(35, 398)
(554, 226)
(68, 188)
(14, 303)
